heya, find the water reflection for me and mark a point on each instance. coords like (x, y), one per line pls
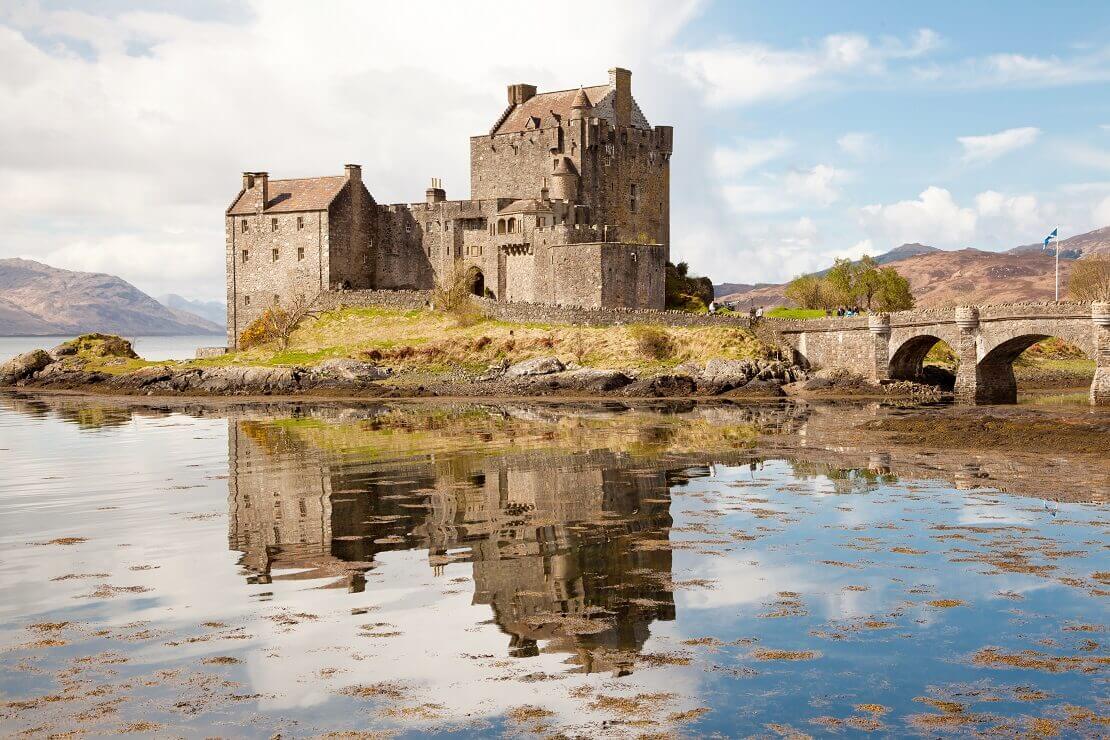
(555, 538)
(589, 570)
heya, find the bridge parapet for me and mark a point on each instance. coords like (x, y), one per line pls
(987, 339)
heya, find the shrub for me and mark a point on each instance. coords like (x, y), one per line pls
(1090, 280)
(652, 342)
(454, 298)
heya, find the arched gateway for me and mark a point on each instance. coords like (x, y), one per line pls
(986, 339)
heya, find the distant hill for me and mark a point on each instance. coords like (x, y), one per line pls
(214, 311)
(941, 277)
(1092, 243)
(36, 299)
(731, 288)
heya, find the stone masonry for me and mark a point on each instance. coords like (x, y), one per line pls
(987, 340)
(569, 206)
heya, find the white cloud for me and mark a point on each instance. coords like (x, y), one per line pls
(934, 218)
(1014, 70)
(1085, 155)
(856, 143)
(816, 185)
(137, 154)
(992, 146)
(1100, 214)
(736, 161)
(745, 73)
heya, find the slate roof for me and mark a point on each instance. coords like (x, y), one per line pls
(542, 105)
(300, 194)
(526, 205)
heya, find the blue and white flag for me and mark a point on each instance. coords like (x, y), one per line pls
(1049, 238)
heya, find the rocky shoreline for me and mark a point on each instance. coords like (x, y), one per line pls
(70, 368)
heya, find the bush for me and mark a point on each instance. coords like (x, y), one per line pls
(1090, 280)
(652, 342)
(686, 292)
(454, 298)
(262, 330)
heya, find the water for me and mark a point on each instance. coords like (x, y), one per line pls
(480, 569)
(150, 348)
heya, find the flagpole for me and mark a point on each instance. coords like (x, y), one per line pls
(1057, 263)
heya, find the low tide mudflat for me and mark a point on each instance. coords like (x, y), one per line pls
(596, 569)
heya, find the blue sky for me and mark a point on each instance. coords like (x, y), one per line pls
(804, 130)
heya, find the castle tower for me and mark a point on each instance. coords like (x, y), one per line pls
(564, 181)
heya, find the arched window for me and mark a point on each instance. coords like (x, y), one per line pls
(512, 225)
(501, 226)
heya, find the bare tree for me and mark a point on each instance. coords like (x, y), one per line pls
(1090, 280)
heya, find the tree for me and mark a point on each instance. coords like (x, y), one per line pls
(893, 291)
(278, 322)
(866, 280)
(1090, 280)
(807, 291)
(841, 281)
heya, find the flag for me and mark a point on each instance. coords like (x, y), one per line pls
(1049, 238)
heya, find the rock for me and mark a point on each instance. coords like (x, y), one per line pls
(348, 369)
(143, 377)
(494, 371)
(660, 386)
(941, 377)
(65, 349)
(24, 366)
(248, 380)
(99, 345)
(591, 379)
(535, 366)
(720, 376)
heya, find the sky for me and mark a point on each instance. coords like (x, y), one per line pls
(804, 131)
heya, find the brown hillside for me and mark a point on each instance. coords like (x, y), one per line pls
(966, 276)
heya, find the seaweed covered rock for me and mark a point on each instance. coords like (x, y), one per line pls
(96, 345)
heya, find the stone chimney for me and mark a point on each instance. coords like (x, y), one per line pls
(521, 93)
(257, 187)
(435, 192)
(354, 172)
(620, 81)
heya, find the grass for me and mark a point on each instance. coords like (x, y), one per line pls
(431, 341)
(782, 312)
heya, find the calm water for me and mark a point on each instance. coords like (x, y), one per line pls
(151, 348)
(488, 569)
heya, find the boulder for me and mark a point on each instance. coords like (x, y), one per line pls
(591, 379)
(248, 380)
(535, 366)
(720, 376)
(24, 366)
(660, 386)
(348, 369)
(143, 377)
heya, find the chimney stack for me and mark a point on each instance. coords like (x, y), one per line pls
(257, 185)
(354, 172)
(521, 93)
(620, 81)
(435, 192)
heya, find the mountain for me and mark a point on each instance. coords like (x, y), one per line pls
(214, 311)
(36, 299)
(942, 277)
(1092, 243)
(730, 288)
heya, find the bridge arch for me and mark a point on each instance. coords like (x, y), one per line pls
(994, 371)
(907, 360)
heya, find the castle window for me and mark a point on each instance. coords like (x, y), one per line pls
(273, 224)
(246, 300)
(633, 197)
(541, 221)
(300, 253)
(274, 254)
(243, 226)
(300, 222)
(512, 226)
(501, 226)
(246, 255)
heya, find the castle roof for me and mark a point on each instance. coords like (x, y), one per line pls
(581, 100)
(545, 106)
(527, 205)
(300, 194)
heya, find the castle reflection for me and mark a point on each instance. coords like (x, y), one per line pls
(560, 541)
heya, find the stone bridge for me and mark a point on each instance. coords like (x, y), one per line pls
(987, 340)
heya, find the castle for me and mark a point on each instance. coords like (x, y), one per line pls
(569, 205)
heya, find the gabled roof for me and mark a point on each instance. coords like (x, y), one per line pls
(544, 105)
(527, 205)
(301, 194)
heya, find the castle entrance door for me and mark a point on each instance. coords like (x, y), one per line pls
(477, 281)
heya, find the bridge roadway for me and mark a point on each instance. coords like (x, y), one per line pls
(987, 340)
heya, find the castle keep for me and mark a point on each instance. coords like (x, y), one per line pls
(569, 205)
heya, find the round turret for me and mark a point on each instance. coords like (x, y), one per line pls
(564, 181)
(580, 106)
